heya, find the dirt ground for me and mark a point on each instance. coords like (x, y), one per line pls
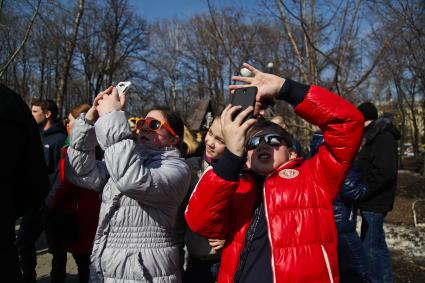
(44, 259)
(408, 255)
(405, 239)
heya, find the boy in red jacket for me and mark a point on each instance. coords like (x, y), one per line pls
(277, 216)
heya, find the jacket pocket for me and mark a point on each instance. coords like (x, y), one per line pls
(328, 265)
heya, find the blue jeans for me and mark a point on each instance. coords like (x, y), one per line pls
(373, 238)
(352, 259)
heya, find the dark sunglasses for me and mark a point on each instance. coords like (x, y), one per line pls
(154, 125)
(274, 140)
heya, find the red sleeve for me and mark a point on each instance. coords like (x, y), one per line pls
(209, 206)
(342, 125)
(65, 190)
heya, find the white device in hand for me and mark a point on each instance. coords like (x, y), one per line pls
(122, 87)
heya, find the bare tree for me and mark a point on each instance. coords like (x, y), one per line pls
(404, 61)
(109, 45)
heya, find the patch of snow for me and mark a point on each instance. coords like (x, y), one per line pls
(409, 240)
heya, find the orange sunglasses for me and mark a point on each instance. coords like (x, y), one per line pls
(154, 125)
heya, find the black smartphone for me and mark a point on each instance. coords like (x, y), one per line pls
(244, 97)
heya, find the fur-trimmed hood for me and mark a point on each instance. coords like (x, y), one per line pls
(378, 126)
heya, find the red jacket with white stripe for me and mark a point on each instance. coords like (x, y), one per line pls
(297, 196)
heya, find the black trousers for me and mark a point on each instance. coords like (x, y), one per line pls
(83, 266)
(32, 225)
(204, 271)
(9, 263)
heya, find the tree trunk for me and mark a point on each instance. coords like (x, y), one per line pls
(61, 93)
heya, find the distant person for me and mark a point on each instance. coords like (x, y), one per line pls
(53, 136)
(76, 210)
(24, 180)
(204, 253)
(378, 163)
(276, 213)
(142, 182)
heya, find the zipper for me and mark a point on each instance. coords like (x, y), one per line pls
(328, 266)
(249, 237)
(266, 215)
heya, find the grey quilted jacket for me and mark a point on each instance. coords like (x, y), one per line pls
(141, 190)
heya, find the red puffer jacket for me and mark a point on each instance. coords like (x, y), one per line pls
(298, 200)
(82, 203)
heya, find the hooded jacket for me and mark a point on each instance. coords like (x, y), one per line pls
(378, 164)
(297, 196)
(142, 189)
(53, 140)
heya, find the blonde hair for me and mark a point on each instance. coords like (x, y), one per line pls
(278, 120)
(189, 140)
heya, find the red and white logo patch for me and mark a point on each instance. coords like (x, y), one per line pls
(289, 173)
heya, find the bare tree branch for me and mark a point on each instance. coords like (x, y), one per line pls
(24, 40)
(300, 59)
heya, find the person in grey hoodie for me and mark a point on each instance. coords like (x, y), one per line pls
(142, 182)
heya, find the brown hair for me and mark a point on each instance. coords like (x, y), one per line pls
(175, 122)
(46, 105)
(77, 110)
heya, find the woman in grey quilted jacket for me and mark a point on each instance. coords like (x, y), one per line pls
(142, 185)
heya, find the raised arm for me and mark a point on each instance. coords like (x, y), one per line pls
(208, 210)
(81, 167)
(340, 122)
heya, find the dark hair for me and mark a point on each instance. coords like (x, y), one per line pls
(47, 105)
(174, 121)
(267, 124)
(368, 110)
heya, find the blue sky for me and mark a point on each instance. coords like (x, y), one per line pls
(182, 9)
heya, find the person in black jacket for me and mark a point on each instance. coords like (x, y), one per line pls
(53, 135)
(378, 164)
(23, 176)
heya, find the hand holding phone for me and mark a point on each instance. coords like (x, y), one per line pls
(122, 87)
(244, 97)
